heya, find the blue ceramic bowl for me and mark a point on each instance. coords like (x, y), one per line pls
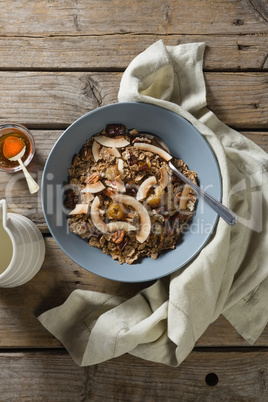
(184, 141)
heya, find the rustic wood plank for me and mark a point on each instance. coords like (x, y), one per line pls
(221, 333)
(114, 52)
(165, 17)
(260, 138)
(247, 91)
(51, 100)
(58, 277)
(59, 43)
(208, 377)
(14, 188)
(40, 377)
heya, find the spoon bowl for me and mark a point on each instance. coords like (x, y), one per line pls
(225, 213)
(33, 186)
(18, 156)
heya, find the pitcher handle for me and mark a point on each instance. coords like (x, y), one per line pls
(3, 212)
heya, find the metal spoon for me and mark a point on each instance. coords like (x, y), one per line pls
(225, 213)
(33, 186)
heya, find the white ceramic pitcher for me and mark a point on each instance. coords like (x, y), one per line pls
(22, 248)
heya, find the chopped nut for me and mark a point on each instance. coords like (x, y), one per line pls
(133, 131)
(118, 236)
(141, 139)
(93, 178)
(109, 192)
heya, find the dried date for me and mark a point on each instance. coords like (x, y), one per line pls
(113, 130)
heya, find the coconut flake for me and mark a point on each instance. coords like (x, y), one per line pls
(155, 198)
(145, 222)
(145, 187)
(141, 139)
(163, 182)
(184, 196)
(120, 186)
(87, 197)
(110, 183)
(114, 152)
(112, 142)
(117, 225)
(93, 188)
(153, 149)
(95, 216)
(79, 209)
(120, 167)
(96, 151)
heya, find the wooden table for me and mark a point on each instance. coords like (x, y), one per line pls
(58, 60)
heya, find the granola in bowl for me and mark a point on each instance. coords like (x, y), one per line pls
(124, 198)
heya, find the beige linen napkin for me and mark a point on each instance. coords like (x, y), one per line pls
(229, 276)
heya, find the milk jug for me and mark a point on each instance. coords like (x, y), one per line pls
(22, 248)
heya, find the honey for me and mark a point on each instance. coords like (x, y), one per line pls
(14, 132)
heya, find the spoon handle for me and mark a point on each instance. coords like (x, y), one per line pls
(33, 186)
(226, 214)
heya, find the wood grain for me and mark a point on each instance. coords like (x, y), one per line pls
(59, 60)
(114, 52)
(55, 100)
(58, 277)
(204, 376)
(114, 17)
(260, 138)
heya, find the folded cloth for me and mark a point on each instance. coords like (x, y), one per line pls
(229, 276)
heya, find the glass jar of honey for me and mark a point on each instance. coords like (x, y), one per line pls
(20, 132)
